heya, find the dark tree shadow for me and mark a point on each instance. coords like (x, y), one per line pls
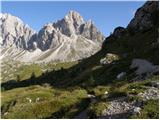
(57, 79)
(81, 106)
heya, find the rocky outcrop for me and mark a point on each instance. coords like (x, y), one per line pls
(151, 93)
(145, 17)
(109, 58)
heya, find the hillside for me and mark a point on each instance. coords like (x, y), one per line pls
(119, 81)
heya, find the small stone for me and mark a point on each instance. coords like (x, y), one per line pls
(121, 75)
(91, 96)
(37, 99)
(137, 110)
(106, 92)
(29, 99)
(5, 113)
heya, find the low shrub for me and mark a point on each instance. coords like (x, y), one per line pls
(150, 110)
(95, 110)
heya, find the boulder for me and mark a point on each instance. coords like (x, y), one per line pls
(143, 66)
(121, 75)
(136, 110)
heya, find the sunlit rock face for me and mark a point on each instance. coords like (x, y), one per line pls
(13, 32)
(68, 39)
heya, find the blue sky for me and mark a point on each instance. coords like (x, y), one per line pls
(106, 15)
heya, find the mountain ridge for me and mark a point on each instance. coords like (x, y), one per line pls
(45, 42)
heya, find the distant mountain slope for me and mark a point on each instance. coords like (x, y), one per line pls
(68, 39)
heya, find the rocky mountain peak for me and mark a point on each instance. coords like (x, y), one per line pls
(73, 24)
(14, 32)
(55, 41)
(89, 22)
(75, 17)
(7, 17)
(70, 24)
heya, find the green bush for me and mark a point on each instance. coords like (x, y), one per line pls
(150, 110)
(95, 110)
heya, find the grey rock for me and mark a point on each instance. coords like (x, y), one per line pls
(143, 66)
(155, 84)
(151, 93)
(121, 75)
(14, 33)
(136, 110)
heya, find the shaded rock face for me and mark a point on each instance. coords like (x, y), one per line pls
(119, 31)
(89, 31)
(145, 17)
(68, 39)
(14, 33)
(46, 36)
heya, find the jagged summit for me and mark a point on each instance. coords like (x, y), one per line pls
(7, 16)
(14, 33)
(11, 18)
(68, 39)
(75, 16)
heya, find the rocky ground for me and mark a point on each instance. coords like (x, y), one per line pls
(122, 108)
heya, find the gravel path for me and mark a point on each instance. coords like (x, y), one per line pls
(118, 108)
(151, 93)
